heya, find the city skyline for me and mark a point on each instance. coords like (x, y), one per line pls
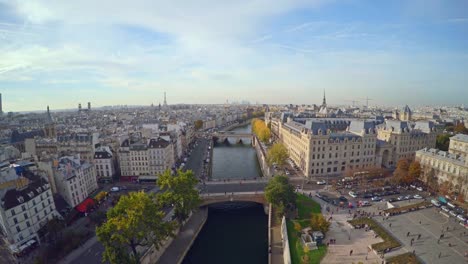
(130, 53)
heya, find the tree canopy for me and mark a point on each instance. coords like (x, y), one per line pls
(443, 141)
(460, 128)
(277, 154)
(198, 124)
(280, 193)
(261, 130)
(136, 220)
(179, 190)
(407, 172)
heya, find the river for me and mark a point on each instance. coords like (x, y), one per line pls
(235, 232)
(235, 161)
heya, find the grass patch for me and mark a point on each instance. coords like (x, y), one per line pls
(407, 258)
(297, 251)
(306, 206)
(407, 208)
(388, 243)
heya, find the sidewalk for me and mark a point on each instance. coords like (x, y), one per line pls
(75, 254)
(181, 244)
(276, 241)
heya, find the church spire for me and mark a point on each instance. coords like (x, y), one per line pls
(324, 103)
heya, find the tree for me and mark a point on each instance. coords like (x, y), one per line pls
(280, 193)
(261, 130)
(443, 141)
(401, 173)
(460, 129)
(180, 191)
(135, 221)
(54, 228)
(414, 172)
(445, 188)
(318, 222)
(277, 154)
(198, 124)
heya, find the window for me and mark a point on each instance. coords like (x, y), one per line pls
(25, 216)
(28, 224)
(12, 211)
(18, 229)
(15, 220)
(23, 208)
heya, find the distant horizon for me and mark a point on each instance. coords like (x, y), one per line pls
(290, 51)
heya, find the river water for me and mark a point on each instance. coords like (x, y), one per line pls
(235, 232)
(236, 160)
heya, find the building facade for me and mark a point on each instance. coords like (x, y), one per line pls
(104, 163)
(75, 179)
(27, 206)
(145, 159)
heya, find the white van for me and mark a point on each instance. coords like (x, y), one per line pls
(451, 205)
(352, 194)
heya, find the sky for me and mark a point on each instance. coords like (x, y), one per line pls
(111, 52)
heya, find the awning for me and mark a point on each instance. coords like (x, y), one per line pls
(83, 206)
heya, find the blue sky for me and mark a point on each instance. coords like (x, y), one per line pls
(60, 53)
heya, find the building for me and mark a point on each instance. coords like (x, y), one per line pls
(49, 126)
(143, 159)
(407, 114)
(27, 205)
(1, 107)
(320, 151)
(104, 163)
(459, 145)
(82, 143)
(405, 138)
(75, 179)
(441, 166)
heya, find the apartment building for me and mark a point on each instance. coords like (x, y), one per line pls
(26, 207)
(459, 145)
(143, 159)
(75, 179)
(104, 163)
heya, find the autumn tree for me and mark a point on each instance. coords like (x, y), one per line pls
(414, 172)
(198, 124)
(180, 191)
(401, 173)
(280, 193)
(277, 154)
(135, 221)
(261, 130)
(460, 129)
(445, 188)
(319, 223)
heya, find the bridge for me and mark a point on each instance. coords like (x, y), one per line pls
(223, 135)
(213, 198)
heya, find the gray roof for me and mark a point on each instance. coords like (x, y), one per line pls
(460, 137)
(357, 126)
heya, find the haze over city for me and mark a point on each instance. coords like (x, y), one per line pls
(60, 53)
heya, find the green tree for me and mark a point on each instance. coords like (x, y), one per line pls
(277, 154)
(443, 141)
(198, 124)
(136, 220)
(280, 193)
(180, 191)
(54, 228)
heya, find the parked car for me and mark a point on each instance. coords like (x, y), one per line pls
(407, 197)
(453, 213)
(376, 199)
(343, 199)
(115, 189)
(461, 218)
(435, 203)
(367, 195)
(413, 186)
(445, 209)
(417, 196)
(420, 189)
(365, 203)
(353, 194)
(401, 198)
(322, 182)
(392, 200)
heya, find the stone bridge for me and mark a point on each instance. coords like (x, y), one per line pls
(223, 135)
(213, 198)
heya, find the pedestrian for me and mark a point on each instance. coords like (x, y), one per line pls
(419, 221)
(414, 251)
(440, 254)
(390, 225)
(407, 234)
(438, 241)
(419, 236)
(351, 252)
(450, 244)
(447, 228)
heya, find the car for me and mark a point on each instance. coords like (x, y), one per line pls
(376, 199)
(461, 218)
(435, 203)
(445, 209)
(367, 195)
(420, 189)
(343, 199)
(287, 172)
(115, 189)
(401, 198)
(353, 194)
(417, 196)
(322, 182)
(318, 195)
(453, 213)
(365, 203)
(413, 186)
(407, 197)
(392, 200)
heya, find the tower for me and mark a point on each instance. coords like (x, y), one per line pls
(1, 109)
(324, 103)
(49, 127)
(79, 107)
(165, 102)
(89, 106)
